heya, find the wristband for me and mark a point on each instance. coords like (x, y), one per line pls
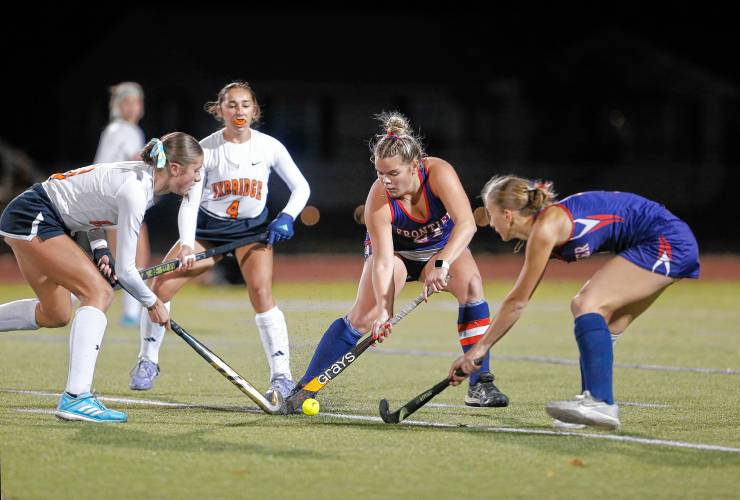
(441, 264)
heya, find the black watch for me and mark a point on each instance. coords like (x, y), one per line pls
(441, 264)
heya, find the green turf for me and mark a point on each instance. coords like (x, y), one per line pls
(218, 450)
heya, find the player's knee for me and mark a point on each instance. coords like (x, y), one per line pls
(362, 321)
(55, 318)
(584, 304)
(261, 296)
(104, 296)
(475, 289)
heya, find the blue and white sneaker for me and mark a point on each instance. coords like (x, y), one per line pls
(281, 384)
(129, 321)
(143, 375)
(87, 407)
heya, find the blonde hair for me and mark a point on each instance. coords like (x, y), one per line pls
(178, 147)
(211, 107)
(517, 193)
(119, 92)
(396, 138)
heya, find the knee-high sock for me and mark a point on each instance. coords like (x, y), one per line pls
(18, 315)
(152, 336)
(472, 322)
(338, 339)
(597, 357)
(615, 337)
(88, 327)
(131, 307)
(274, 335)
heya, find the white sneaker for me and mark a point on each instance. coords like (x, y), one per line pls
(559, 424)
(585, 410)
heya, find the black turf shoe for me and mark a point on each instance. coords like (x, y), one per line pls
(485, 393)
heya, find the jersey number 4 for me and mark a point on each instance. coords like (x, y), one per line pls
(233, 209)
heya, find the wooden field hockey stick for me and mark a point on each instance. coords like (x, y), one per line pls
(274, 407)
(418, 401)
(173, 264)
(301, 393)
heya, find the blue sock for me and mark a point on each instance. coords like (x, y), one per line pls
(338, 339)
(597, 357)
(472, 322)
(583, 374)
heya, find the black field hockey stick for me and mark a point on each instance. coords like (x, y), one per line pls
(274, 407)
(417, 402)
(319, 382)
(171, 265)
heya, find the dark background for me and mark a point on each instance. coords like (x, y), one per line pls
(589, 97)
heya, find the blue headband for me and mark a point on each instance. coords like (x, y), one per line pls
(158, 153)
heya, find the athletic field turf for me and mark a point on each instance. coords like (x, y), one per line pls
(196, 436)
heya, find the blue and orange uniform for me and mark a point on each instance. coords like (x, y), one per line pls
(415, 241)
(640, 230)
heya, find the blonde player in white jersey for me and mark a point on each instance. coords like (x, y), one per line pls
(237, 163)
(37, 226)
(122, 140)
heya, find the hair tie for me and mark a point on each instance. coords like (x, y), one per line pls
(535, 185)
(393, 137)
(158, 153)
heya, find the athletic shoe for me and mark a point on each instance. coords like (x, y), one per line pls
(87, 407)
(143, 375)
(129, 321)
(485, 393)
(559, 424)
(585, 410)
(281, 384)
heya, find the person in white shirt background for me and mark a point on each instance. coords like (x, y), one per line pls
(122, 140)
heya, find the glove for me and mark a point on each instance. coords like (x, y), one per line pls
(98, 255)
(280, 229)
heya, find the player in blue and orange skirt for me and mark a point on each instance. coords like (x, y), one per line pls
(653, 248)
(419, 224)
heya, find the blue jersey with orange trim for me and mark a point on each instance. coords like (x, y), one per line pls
(420, 239)
(609, 221)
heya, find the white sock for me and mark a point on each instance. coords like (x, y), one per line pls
(131, 307)
(18, 315)
(615, 337)
(274, 335)
(88, 328)
(152, 336)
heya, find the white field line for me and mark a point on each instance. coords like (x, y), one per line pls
(621, 403)
(556, 361)
(415, 423)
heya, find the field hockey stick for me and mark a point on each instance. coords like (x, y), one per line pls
(171, 265)
(273, 407)
(319, 382)
(418, 401)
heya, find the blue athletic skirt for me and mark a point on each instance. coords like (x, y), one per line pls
(32, 214)
(221, 231)
(672, 251)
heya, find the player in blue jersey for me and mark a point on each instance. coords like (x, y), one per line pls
(653, 248)
(419, 224)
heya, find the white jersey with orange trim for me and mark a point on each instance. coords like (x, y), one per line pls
(235, 176)
(109, 195)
